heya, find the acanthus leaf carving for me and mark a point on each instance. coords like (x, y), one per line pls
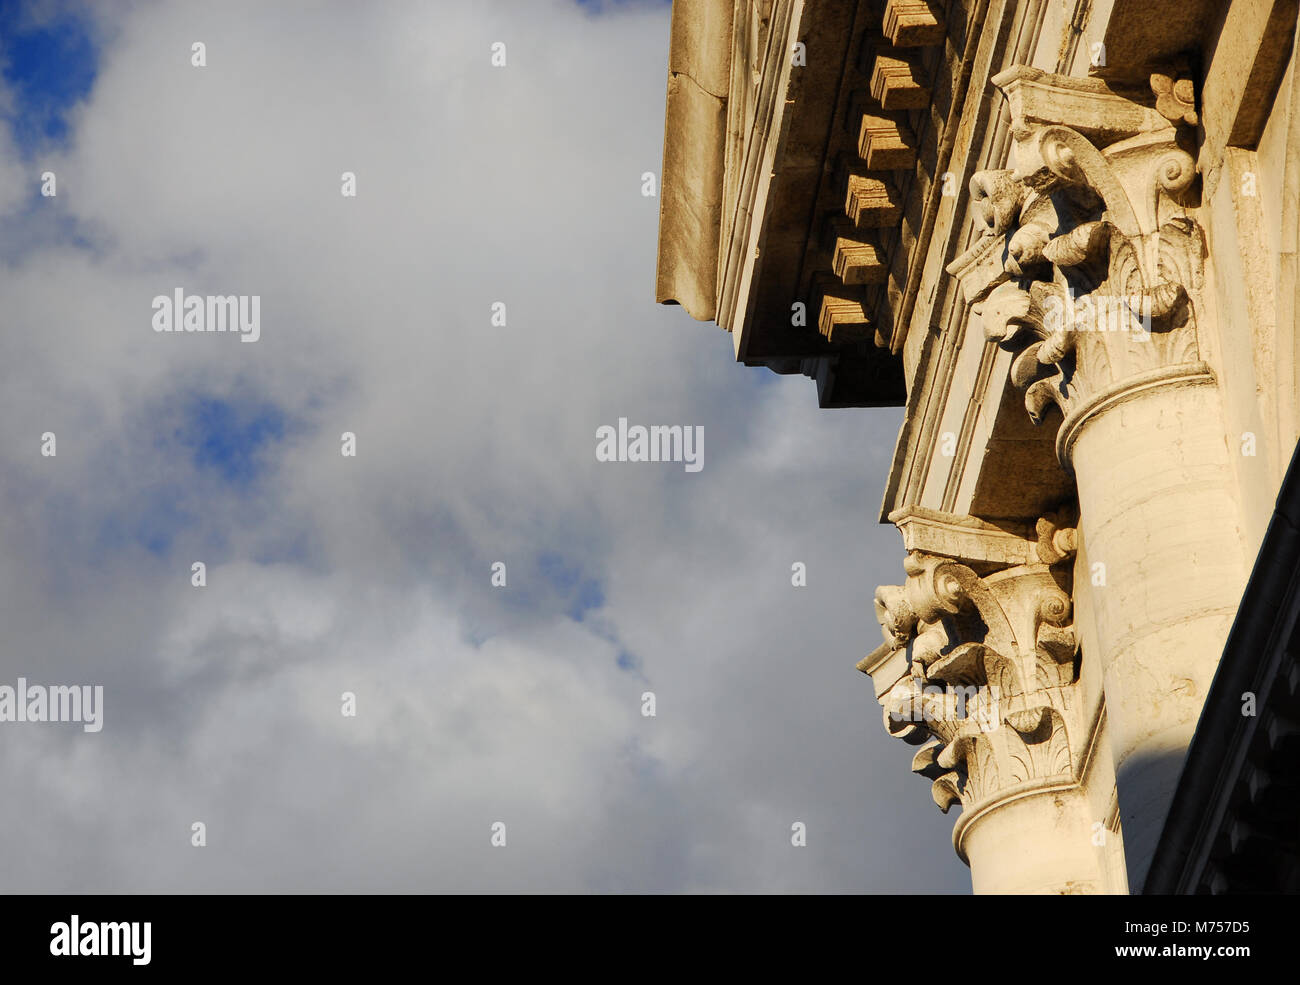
(1101, 261)
(991, 668)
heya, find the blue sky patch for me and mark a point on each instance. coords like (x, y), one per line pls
(566, 579)
(230, 437)
(48, 67)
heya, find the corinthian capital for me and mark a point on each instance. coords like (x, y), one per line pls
(1089, 265)
(979, 659)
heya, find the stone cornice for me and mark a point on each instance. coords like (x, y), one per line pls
(699, 67)
(931, 319)
(758, 134)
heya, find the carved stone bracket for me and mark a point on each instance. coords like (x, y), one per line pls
(979, 660)
(1089, 264)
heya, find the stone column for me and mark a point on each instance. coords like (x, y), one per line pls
(1090, 268)
(979, 668)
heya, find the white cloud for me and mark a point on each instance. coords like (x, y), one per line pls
(475, 444)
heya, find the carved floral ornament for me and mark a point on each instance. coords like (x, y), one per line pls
(1089, 264)
(979, 661)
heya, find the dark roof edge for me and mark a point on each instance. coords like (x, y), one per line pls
(1210, 764)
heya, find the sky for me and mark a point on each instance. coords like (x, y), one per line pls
(480, 708)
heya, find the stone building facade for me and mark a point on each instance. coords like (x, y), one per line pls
(1062, 234)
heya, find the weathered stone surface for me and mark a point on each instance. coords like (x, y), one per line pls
(908, 23)
(1091, 270)
(695, 124)
(857, 256)
(871, 200)
(990, 686)
(841, 316)
(898, 81)
(885, 141)
(1087, 265)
